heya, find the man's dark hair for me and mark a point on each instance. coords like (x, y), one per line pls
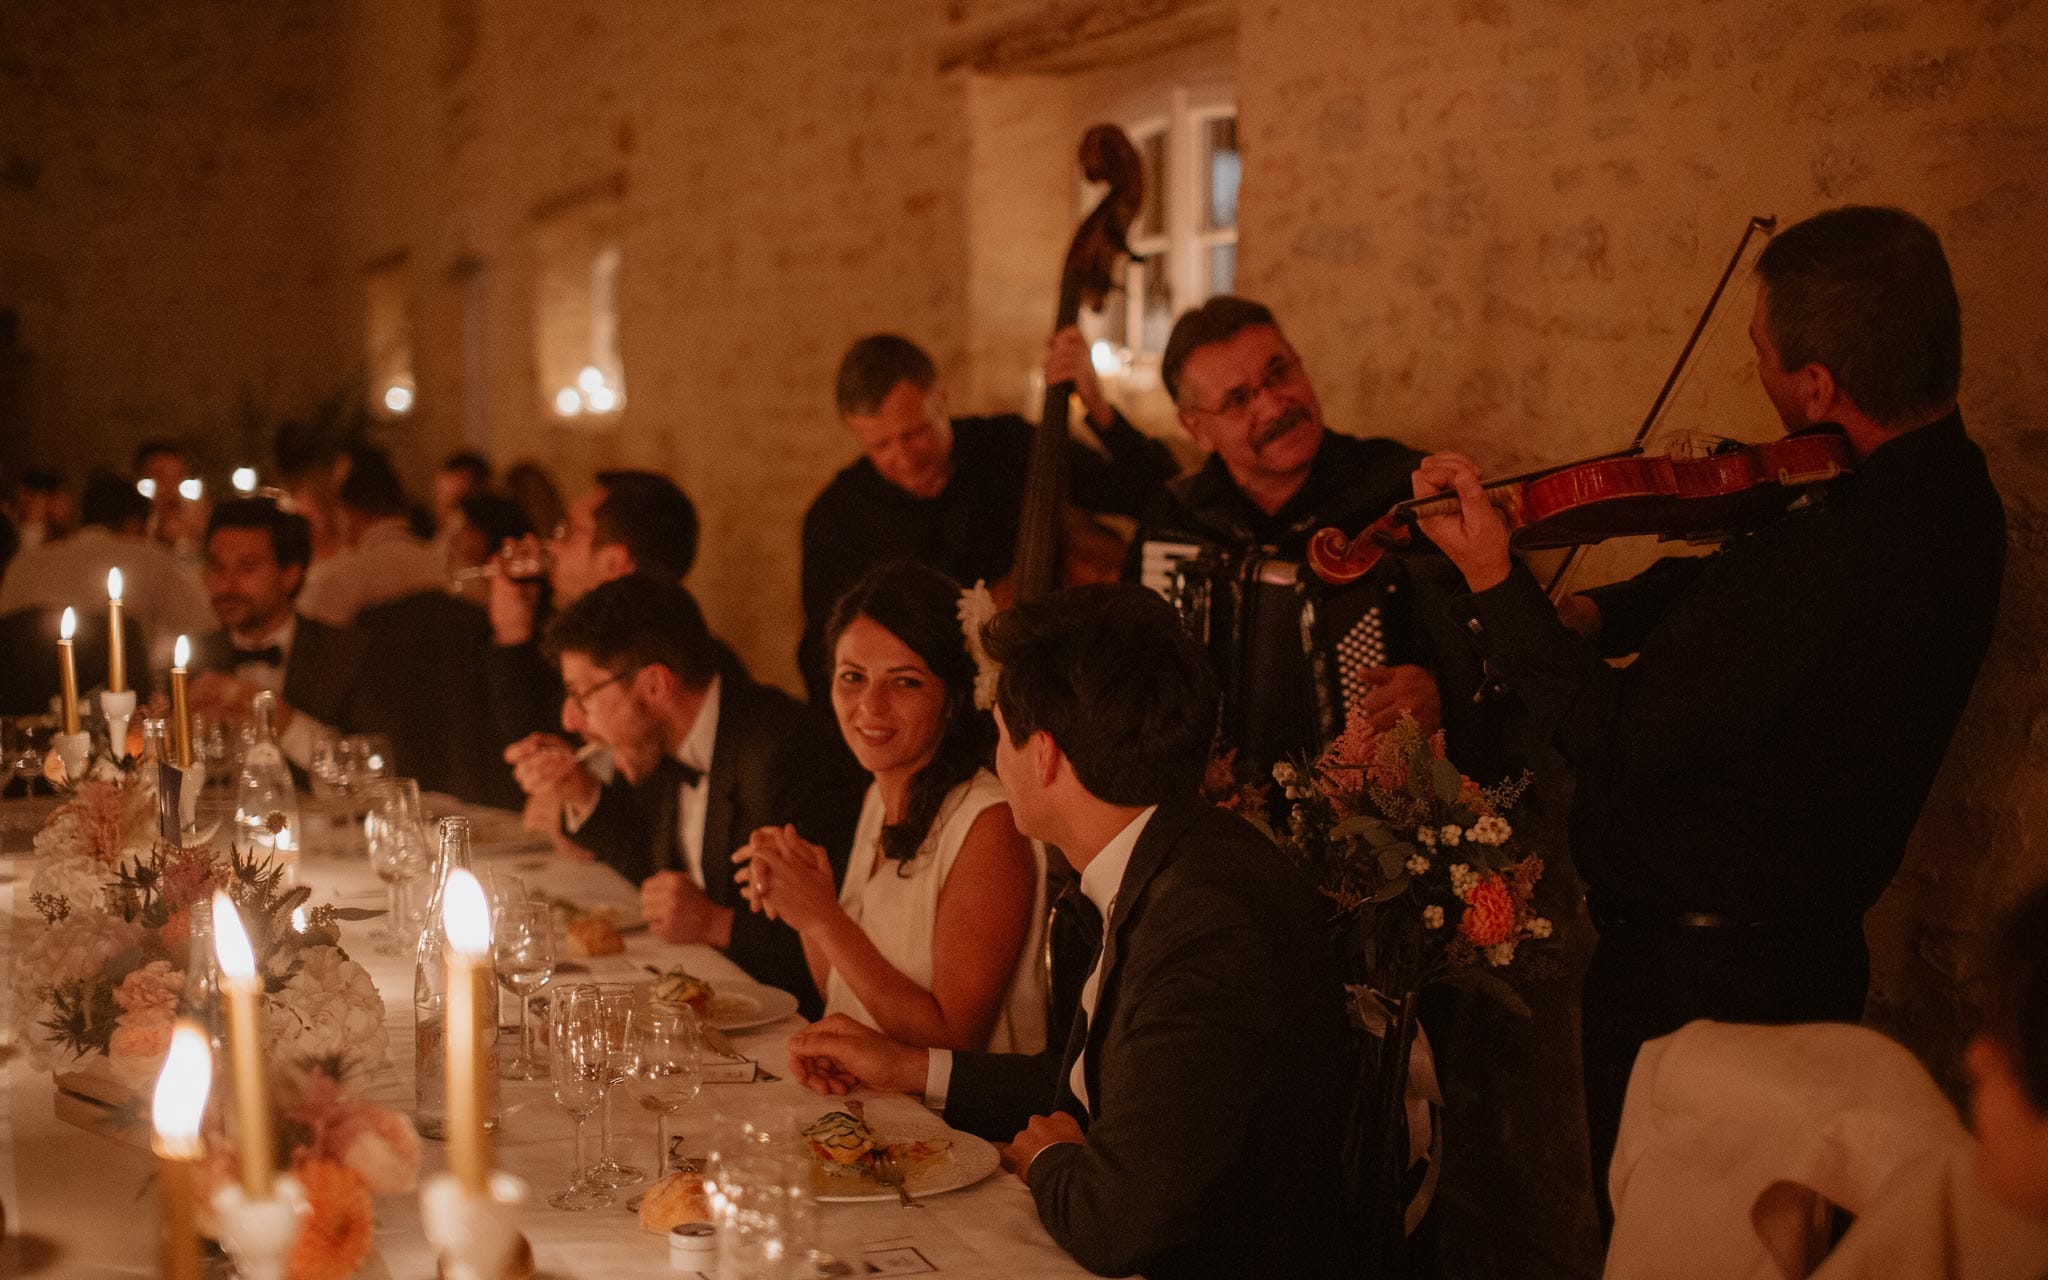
(470, 463)
(1865, 293)
(41, 480)
(637, 621)
(371, 485)
(495, 518)
(112, 501)
(291, 535)
(1112, 675)
(149, 449)
(1216, 320)
(652, 518)
(921, 607)
(873, 366)
(2018, 1011)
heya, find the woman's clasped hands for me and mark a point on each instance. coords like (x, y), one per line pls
(785, 877)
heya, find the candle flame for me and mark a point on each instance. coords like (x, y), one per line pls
(69, 626)
(465, 916)
(113, 584)
(231, 941)
(181, 1090)
(300, 920)
(181, 653)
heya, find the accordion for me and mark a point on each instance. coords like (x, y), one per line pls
(1287, 648)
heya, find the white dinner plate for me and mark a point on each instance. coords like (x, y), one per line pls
(736, 1006)
(965, 1161)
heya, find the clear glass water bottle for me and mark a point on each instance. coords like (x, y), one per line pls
(430, 1000)
(266, 804)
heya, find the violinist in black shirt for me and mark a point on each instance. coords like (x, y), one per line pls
(1746, 787)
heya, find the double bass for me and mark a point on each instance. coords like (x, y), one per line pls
(1059, 545)
(1707, 498)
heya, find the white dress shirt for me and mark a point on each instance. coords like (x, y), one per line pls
(298, 738)
(692, 799)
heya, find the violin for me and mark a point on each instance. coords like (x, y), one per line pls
(1059, 545)
(1617, 495)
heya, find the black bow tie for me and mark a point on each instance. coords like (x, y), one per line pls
(272, 656)
(677, 774)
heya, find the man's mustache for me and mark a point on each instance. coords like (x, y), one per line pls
(1294, 417)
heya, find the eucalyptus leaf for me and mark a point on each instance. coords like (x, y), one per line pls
(358, 913)
(1446, 780)
(1364, 826)
(1478, 978)
(1391, 890)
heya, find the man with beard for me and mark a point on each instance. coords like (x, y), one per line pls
(256, 557)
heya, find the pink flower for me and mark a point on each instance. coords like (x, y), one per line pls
(1489, 918)
(381, 1146)
(153, 988)
(136, 1049)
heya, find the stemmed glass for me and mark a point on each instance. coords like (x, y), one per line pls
(617, 999)
(666, 1043)
(398, 852)
(579, 1060)
(28, 743)
(523, 946)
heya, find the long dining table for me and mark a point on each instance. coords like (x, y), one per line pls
(79, 1203)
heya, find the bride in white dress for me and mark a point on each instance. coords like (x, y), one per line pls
(933, 939)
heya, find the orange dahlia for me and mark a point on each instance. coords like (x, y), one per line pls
(335, 1236)
(1489, 917)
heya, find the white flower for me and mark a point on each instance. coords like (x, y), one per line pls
(1418, 865)
(1538, 927)
(1432, 917)
(1426, 837)
(1283, 773)
(1462, 880)
(1500, 954)
(975, 609)
(76, 947)
(329, 1006)
(1450, 836)
(1491, 830)
(74, 877)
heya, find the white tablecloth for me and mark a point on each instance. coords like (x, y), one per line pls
(79, 1204)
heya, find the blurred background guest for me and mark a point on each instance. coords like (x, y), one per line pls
(39, 504)
(384, 560)
(462, 474)
(933, 940)
(483, 524)
(177, 515)
(529, 484)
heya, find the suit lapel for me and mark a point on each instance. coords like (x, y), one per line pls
(721, 793)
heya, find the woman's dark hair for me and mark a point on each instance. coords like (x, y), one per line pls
(921, 607)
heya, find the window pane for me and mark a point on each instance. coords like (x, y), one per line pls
(1222, 267)
(1158, 317)
(1152, 149)
(1219, 137)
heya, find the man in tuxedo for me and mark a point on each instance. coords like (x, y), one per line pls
(256, 557)
(704, 756)
(1192, 1125)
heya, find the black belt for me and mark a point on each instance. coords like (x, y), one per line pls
(1610, 919)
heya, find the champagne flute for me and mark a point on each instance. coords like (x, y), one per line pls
(618, 999)
(398, 851)
(666, 1042)
(523, 945)
(578, 1061)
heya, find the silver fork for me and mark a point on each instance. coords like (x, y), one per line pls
(890, 1174)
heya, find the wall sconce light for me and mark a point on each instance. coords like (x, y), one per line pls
(398, 398)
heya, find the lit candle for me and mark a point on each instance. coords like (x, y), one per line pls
(244, 992)
(180, 1105)
(117, 644)
(466, 922)
(181, 715)
(67, 671)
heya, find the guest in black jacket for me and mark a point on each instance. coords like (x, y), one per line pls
(256, 558)
(1190, 1126)
(704, 757)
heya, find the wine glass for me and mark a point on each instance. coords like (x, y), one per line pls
(758, 1174)
(398, 852)
(523, 947)
(666, 1042)
(578, 1059)
(618, 999)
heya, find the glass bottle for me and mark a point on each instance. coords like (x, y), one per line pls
(266, 805)
(430, 999)
(155, 765)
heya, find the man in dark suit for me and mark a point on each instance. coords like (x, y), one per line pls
(256, 557)
(1191, 1127)
(704, 756)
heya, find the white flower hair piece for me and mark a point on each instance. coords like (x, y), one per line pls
(976, 607)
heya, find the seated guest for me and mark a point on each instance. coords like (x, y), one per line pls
(256, 558)
(384, 559)
(40, 507)
(944, 491)
(714, 756)
(1191, 1126)
(934, 938)
(462, 474)
(160, 594)
(629, 522)
(175, 520)
(484, 523)
(529, 484)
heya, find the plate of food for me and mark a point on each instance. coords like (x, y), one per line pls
(730, 1005)
(845, 1146)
